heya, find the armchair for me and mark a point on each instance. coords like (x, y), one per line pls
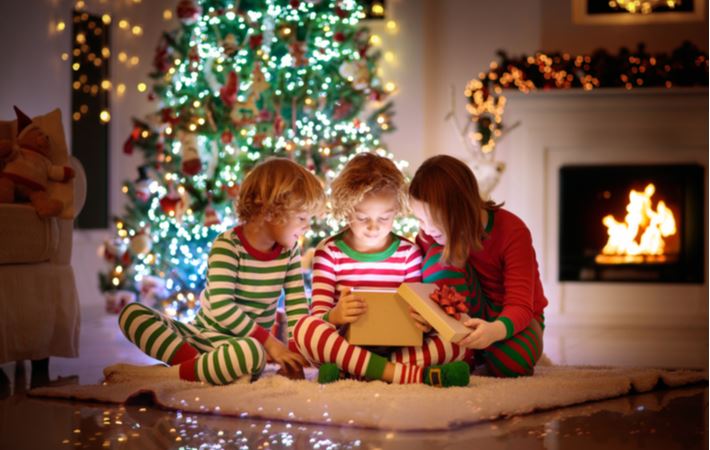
(39, 303)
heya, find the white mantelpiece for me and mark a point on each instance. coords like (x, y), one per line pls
(599, 127)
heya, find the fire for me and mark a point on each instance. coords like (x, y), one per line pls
(624, 244)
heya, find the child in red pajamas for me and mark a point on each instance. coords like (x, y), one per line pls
(476, 244)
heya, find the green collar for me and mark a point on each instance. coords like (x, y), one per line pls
(489, 225)
(367, 257)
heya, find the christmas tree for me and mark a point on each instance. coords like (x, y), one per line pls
(239, 81)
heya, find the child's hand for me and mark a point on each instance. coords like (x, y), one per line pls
(289, 361)
(419, 321)
(483, 333)
(348, 309)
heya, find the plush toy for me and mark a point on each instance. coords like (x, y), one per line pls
(28, 170)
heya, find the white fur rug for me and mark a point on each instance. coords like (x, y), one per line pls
(383, 406)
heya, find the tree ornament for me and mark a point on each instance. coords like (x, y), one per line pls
(188, 11)
(142, 185)
(342, 109)
(339, 36)
(191, 164)
(167, 117)
(211, 216)
(141, 243)
(128, 145)
(356, 72)
(109, 250)
(232, 190)
(230, 45)
(228, 92)
(279, 123)
(169, 202)
(126, 258)
(227, 137)
(298, 52)
(258, 81)
(285, 31)
(162, 60)
(255, 41)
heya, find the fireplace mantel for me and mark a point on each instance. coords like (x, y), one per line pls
(604, 126)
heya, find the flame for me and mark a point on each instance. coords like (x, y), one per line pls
(641, 219)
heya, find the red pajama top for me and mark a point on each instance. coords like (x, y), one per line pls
(507, 270)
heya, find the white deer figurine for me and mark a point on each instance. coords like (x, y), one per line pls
(487, 169)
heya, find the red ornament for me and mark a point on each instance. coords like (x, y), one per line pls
(194, 54)
(128, 146)
(295, 4)
(339, 36)
(166, 116)
(258, 139)
(341, 110)
(228, 92)
(126, 258)
(227, 137)
(169, 203)
(340, 12)
(298, 51)
(279, 124)
(255, 41)
(188, 11)
(231, 190)
(452, 302)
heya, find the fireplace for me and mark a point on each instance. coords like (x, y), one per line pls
(631, 223)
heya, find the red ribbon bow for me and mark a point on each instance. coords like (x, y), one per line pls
(452, 302)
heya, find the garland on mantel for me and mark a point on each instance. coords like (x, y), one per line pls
(686, 66)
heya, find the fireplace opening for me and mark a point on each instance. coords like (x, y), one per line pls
(640, 223)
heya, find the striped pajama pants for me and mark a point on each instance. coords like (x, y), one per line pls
(512, 357)
(320, 342)
(223, 358)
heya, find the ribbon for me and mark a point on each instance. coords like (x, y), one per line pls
(452, 302)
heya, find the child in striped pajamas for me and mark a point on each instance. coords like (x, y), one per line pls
(369, 193)
(248, 268)
(478, 244)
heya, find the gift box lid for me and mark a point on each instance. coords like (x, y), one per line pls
(417, 296)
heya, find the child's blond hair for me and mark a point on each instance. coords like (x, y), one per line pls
(277, 188)
(364, 175)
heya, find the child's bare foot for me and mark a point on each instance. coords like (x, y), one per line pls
(118, 373)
